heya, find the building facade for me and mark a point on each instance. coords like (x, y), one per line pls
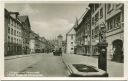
(32, 42)
(83, 34)
(26, 29)
(115, 30)
(70, 41)
(13, 34)
(97, 21)
(102, 16)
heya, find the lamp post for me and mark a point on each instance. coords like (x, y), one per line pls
(102, 48)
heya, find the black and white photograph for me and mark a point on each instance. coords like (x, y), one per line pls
(64, 39)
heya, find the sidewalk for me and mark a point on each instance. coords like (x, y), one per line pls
(114, 69)
(18, 63)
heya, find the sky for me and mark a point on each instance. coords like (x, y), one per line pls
(50, 19)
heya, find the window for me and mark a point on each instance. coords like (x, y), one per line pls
(10, 21)
(109, 7)
(12, 39)
(101, 12)
(15, 32)
(71, 48)
(110, 24)
(17, 41)
(9, 30)
(71, 36)
(114, 22)
(117, 21)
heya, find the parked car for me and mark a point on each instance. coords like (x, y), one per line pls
(57, 52)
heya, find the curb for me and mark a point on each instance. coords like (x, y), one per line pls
(67, 65)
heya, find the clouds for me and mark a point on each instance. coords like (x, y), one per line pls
(52, 28)
(27, 10)
(48, 19)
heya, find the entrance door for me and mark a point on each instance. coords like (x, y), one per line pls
(118, 52)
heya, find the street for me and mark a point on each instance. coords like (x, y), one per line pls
(45, 65)
(48, 65)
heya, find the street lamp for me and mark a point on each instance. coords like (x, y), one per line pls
(102, 48)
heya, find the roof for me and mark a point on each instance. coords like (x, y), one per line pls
(22, 18)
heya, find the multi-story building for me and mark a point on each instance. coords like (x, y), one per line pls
(38, 44)
(87, 32)
(115, 30)
(83, 34)
(26, 29)
(80, 30)
(13, 34)
(103, 16)
(97, 21)
(70, 41)
(32, 42)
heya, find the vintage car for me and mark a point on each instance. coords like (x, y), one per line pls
(57, 52)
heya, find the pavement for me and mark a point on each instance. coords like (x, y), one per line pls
(17, 63)
(114, 69)
(35, 65)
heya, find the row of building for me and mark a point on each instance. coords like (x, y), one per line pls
(84, 35)
(19, 38)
